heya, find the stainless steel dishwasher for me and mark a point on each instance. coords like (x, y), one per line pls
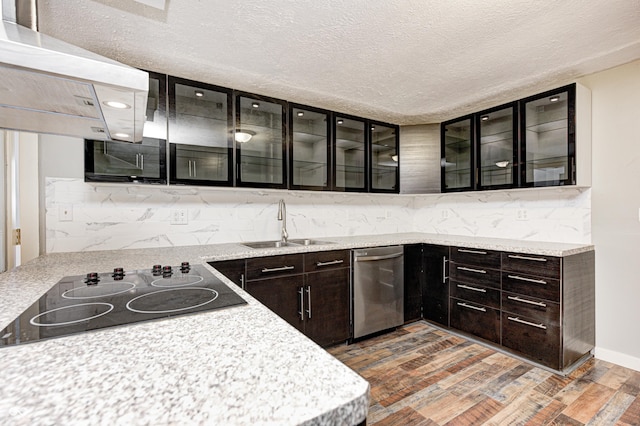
(378, 289)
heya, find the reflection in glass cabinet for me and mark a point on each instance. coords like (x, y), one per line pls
(350, 153)
(112, 161)
(548, 139)
(497, 129)
(457, 149)
(384, 158)
(309, 148)
(260, 142)
(201, 144)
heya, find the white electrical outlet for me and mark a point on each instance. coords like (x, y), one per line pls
(65, 212)
(179, 217)
(522, 214)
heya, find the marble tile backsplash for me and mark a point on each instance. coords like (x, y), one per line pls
(118, 216)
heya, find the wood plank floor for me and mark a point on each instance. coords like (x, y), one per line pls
(420, 375)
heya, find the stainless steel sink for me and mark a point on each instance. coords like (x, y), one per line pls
(269, 244)
(309, 242)
(290, 243)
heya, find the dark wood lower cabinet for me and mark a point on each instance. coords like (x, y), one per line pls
(327, 306)
(414, 282)
(435, 293)
(481, 321)
(281, 295)
(532, 338)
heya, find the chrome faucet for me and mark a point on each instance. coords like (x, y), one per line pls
(282, 215)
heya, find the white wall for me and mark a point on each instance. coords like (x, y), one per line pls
(615, 211)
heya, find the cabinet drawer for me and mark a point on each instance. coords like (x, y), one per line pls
(532, 264)
(535, 339)
(477, 257)
(474, 275)
(475, 319)
(324, 260)
(540, 310)
(538, 287)
(274, 266)
(486, 296)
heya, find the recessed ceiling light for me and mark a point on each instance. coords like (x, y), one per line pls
(199, 93)
(484, 118)
(340, 121)
(300, 113)
(554, 99)
(255, 105)
(116, 104)
(121, 135)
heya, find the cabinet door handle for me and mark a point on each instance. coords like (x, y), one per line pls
(444, 269)
(138, 160)
(301, 311)
(532, 324)
(536, 259)
(477, 271)
(189, 162)
(142, 161)
(373, 258)
(195, 172)
(282, 268)
(242, 285)
(529, 280)
(479, 290)
(530, 302)
(309, 301)
(464, 305)
(332, 262)
(471, 251)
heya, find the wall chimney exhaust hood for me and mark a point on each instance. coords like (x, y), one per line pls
(49, 86)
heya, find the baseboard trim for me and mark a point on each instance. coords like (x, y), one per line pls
(619, 358)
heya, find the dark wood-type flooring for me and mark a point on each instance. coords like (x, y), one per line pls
(420, 375)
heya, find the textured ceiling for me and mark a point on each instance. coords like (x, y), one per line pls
(402, 61)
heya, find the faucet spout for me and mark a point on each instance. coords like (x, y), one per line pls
(282, 215)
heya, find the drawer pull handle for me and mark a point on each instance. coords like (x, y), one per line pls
(529, 280)
(464, 305)
(479, 290)
(477, 271)
(530, 302)
(282, 268)
(471, 251)
(536, 259)
(532, 324)
(331, 262)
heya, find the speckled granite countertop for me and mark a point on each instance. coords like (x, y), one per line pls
(240, 365)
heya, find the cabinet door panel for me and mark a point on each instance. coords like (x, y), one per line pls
(436, 290)
(282, 296)
(309, 151)
(486, 296)
(350, 154)
(232, 269)
(327, 309)
(414, 281)
(384, 158)
(497, 159)
(476, 319)
(533, 338)
(457, 155)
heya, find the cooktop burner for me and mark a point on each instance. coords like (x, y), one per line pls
(82, 303)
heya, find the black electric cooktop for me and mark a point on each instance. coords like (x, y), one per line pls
(98, 300)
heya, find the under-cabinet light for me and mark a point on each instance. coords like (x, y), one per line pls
(554, 98)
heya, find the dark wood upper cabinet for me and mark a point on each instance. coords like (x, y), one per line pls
(350, 154)
(385, 176)
(309, 148)
(201, 143)
(497, 147)
(457, 162)
(260, 140)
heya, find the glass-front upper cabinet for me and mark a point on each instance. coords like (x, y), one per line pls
(145, 162)
(309, 150)
(384, 158)
(548, 138)
(200, 140)
(260, 135)
(457, 154)
(350, 154)
(497, 147)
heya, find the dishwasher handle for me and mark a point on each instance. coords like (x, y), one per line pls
(373, 258)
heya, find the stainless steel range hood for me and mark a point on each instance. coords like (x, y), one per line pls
(49, 86)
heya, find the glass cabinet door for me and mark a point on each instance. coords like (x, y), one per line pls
(497, 129)
(199, 133)
(548, 138)
(309, 149)
(384, 158)
(457, 155)
(260, 141)
(350, 146)
(113, 161)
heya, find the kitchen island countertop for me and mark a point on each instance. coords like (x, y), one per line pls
(238, 365)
